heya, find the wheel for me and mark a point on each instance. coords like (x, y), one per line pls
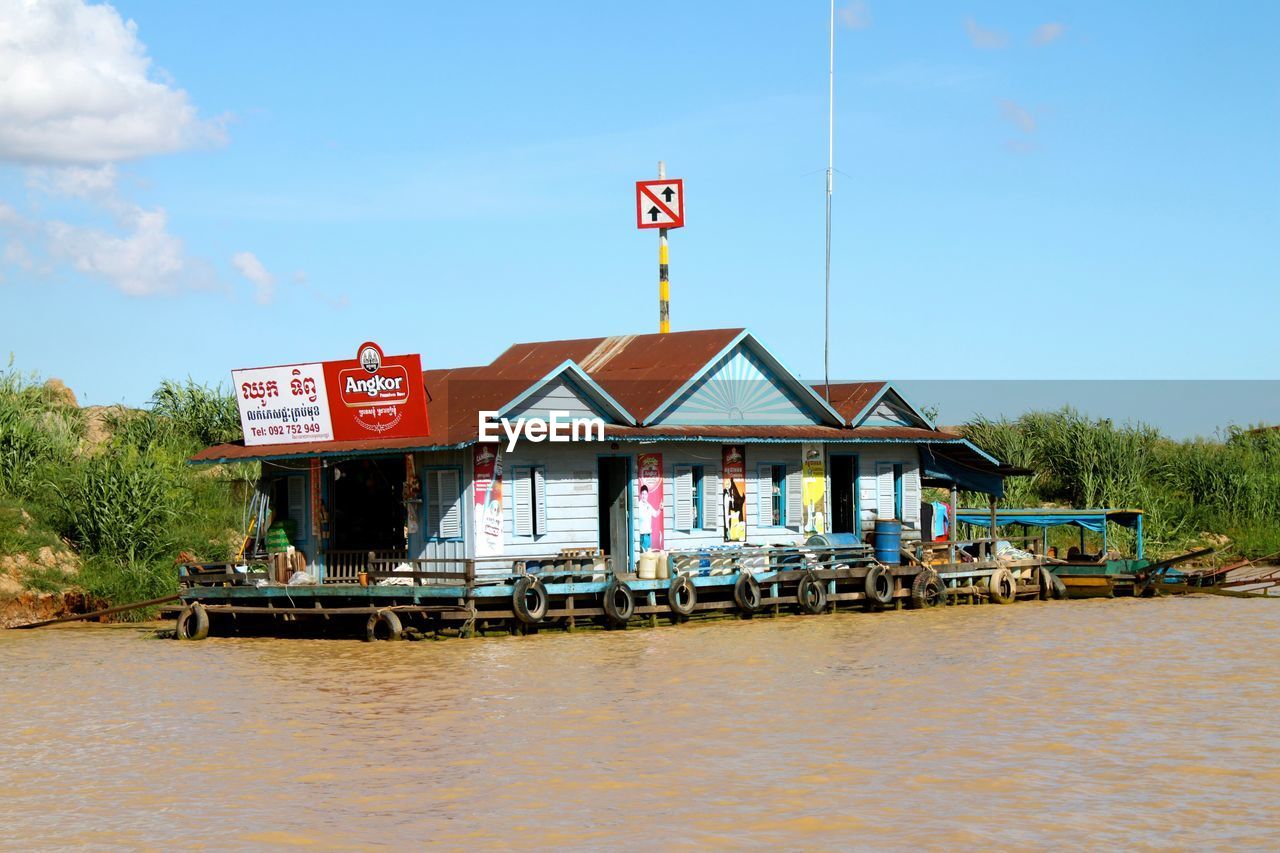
(811, 595)
(529, 600)
(619, 603)
(193, 622)
(746, 592)
(682, 596)
(1001, 587)
(928, 590)
(879, 585)
(383, 625)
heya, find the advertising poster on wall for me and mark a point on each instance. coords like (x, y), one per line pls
(814, 476)
(734, 465)
(649, 509)
(488, 500)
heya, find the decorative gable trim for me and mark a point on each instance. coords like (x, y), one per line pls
(888, 389)
(800, 391)
(578, 380)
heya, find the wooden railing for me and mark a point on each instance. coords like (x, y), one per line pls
(213, 574)
(345, 565)
(425, 571)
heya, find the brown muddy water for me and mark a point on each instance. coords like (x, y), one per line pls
(1108, 723)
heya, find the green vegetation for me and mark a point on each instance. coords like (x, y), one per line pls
(1194, 492)
(114, 485)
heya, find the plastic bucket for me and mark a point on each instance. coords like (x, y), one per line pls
(888, 541)
(647, 567)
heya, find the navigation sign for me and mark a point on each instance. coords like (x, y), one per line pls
(660, 203)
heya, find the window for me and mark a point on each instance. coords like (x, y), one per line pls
(529, 487)
(778, 495)
(444, 510)
(696, 510)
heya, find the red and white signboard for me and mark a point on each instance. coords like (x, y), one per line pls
(660, 203)
(370, 396)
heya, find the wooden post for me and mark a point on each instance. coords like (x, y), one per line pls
(992, 554)
(955, 514)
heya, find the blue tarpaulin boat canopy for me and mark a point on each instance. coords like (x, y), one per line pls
(1085, 519)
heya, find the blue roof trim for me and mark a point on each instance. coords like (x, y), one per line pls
(600, 396)
(802, 389)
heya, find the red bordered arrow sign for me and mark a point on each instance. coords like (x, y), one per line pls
(660, 203)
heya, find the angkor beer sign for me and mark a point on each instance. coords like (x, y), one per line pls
(371, 396)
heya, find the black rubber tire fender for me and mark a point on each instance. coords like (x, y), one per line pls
(193, 622)
(619, 602)
(928, 590)
(682, 596)
(1059, 587)
(746, 592)
(811, 594)
(383, 617)
(1001, 587)
(1046, 585)
(529, 600)
(878, 585)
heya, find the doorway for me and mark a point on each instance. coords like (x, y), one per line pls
(844, 493)
(614, 480)
(367, 505)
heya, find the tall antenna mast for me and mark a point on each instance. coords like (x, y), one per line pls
(831, 162)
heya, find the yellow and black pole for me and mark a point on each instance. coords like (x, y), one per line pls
(664, 285)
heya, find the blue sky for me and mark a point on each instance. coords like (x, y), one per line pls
(1025, 190)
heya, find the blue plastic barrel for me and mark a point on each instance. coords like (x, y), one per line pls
(844, 543)
(888, 541)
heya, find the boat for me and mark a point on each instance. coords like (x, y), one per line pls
(1105, 573)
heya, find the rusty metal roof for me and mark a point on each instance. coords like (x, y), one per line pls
(641, 372)
(850, 398)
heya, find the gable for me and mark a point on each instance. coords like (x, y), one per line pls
(892, 410)
(738, 389)
(561, 394)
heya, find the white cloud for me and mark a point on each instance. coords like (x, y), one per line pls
(984, 38)
(91, 183)
(251, 268)
(143, 261)
(855, 16)
(1018, 116)
(78, 88)
(1048, 33)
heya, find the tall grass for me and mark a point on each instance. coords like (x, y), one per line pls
(131, 504)
(1192, 491)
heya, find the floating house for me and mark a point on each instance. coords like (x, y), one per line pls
(673, 442)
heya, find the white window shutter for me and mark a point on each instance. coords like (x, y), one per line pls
(712, 499)
(450, 507)
(684, 497)
(884, 490)
(540, 500)
(434, 507)
(795, 497)
(520, 486)
(911, 495)
(764, 493)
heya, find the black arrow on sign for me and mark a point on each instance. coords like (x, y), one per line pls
(653, 213)
(667, 194)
